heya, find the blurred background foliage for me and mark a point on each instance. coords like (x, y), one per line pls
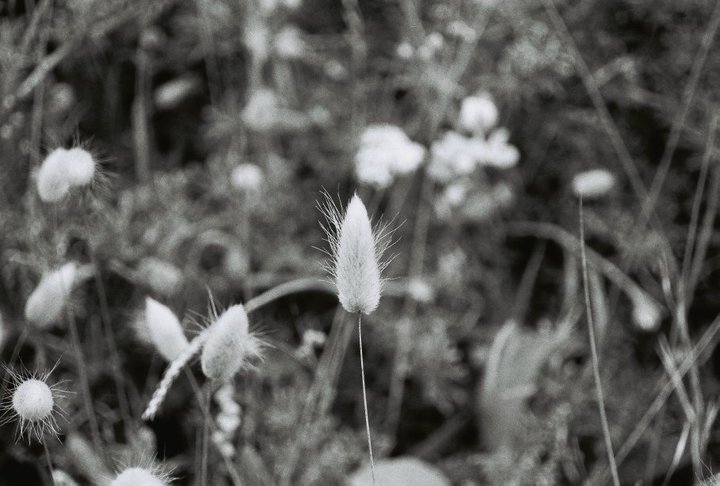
(218, 122)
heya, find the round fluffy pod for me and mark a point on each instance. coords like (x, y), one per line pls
(52, 181)
(137, 476)
(230, 346)
(79, 166)
(32, 404)
(164, 329)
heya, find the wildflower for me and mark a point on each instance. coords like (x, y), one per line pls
(478, 114)
(139, 476)
(385, 152)
(47, 301)
(593, 184)
(246, 178)
(356, 256)
(230, 346)
(32, 403)
(165, 330)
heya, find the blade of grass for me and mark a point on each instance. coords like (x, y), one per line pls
(594, 354)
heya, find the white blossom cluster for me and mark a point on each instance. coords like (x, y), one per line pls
(386, 152)
(477, 144)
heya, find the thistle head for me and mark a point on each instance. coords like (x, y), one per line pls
(356, 255)
(32, 403)
(230, 346)
(79, 166)
(164, 330)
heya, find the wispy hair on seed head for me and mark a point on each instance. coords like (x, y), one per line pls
(147, 462)
(356, 253)
(31, 428)
(334, 215)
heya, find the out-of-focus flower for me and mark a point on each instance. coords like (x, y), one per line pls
(404, 50)
(462, 30)
(161, 276)
(478, 114)
(264, 112)
(431, 45)
(257, 39)
(289, 43)
(246, 178)
(260, 112)
(385, 152)
(498, 152)
(593, 184)
(420, 290)
(646, 314)
(452, 156)
(171, 94)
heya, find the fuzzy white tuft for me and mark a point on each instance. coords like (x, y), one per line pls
(32, 403)
(52, 181)
(79, 166)
(165, 330)
(230, 346)
(45, 304)
(356, 256)
(33, 400)
(137, 476)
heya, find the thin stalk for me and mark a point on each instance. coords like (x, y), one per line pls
(205, 439)
(49, 462)
(595, 359)
(365, 401)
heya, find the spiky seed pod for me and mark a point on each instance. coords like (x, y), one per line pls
(52, 180)
(32, 403)
(79, 166)
(137, 476)
(45, 304)
(356, 256)
(230, 346)
(165, 330)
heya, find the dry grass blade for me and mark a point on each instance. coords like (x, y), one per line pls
(595, 358)
(706, 343)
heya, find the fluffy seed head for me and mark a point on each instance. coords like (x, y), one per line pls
(79, 166)
(137, 476)
(31, 402)
(230, 345)
(165, 330)
(52, 181)
(593, 184)
(356, 256)
(45, 304)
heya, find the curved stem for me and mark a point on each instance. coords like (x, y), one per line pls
(365, 402)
